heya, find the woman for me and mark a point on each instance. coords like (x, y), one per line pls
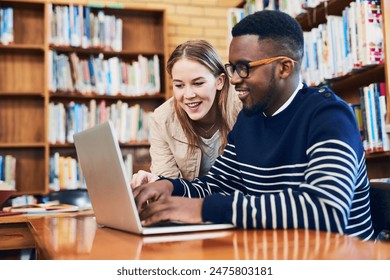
(189, 130)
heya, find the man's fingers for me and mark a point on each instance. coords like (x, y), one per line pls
(144, 195)
(154, 212)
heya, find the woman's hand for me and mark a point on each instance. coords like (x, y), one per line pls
(142, 177)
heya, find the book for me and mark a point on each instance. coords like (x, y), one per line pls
(383, 109)
(6, 26)
(9, 170)
(372, 32)
(41, 208)
(234, 15)
(359, 118)
(1, 168)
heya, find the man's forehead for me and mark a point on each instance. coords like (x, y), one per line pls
(246, 48)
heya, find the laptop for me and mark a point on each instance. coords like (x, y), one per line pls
(108, 185)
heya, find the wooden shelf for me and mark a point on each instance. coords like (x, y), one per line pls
(314, 17)
(378, 155)
(106, 53)
(24, 90)
(22, 48)
(347, 87)
(359, 78)
(21, 94)
(22, 145)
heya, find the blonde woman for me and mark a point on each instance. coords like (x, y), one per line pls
(189, 130)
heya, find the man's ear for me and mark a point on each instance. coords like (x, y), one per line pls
(286, 68)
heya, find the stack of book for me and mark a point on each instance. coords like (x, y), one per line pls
(66, 173)
(77, 26)
(371, 115)
(112, 76)
(345, 43)
(131, 122)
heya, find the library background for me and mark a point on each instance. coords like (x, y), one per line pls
(68, 65)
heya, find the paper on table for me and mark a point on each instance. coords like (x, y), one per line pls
(41, 208)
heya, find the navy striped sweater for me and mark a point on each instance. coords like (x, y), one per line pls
(302, 168)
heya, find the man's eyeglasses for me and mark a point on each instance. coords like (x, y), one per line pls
(242, 67)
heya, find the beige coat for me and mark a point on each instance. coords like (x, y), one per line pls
(169, 145)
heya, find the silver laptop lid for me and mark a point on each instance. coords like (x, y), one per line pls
(106, 178)
(109, 186)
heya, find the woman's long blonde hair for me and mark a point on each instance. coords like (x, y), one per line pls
(204, 53)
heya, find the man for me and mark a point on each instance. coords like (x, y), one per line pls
(294, 158)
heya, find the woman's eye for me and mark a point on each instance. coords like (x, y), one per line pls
(179, 86)
(198, 84)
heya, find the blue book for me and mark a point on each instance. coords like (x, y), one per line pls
(1, 23)
(1, 168)
(6, 28)
(75, 29)
(86, 40)
(92, 73)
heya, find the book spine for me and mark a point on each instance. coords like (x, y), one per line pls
(1, 168)
(364, 119)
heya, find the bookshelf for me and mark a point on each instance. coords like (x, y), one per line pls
(347, 86)
(25, 95)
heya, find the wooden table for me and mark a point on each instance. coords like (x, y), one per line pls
(78, 237)
(15, 233)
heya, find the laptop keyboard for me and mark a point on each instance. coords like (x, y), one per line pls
(169, 224)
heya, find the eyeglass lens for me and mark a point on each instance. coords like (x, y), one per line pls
(240, 68)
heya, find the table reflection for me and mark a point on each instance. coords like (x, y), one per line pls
(67, 236)
(81, 238)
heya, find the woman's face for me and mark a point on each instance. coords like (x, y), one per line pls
(195, 88)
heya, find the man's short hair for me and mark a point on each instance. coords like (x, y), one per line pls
(277, 26)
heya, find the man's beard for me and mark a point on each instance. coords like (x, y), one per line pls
(260, 107)
(254, 109)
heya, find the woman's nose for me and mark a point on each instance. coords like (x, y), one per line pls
(189, 93)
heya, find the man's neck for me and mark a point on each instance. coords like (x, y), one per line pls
(297, 86)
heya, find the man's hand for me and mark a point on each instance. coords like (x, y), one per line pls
(173, 208)
(155, 203)
(147, 193)
(142, 177)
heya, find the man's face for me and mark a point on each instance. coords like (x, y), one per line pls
(258, 90)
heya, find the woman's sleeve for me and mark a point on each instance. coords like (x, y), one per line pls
(163, 161)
